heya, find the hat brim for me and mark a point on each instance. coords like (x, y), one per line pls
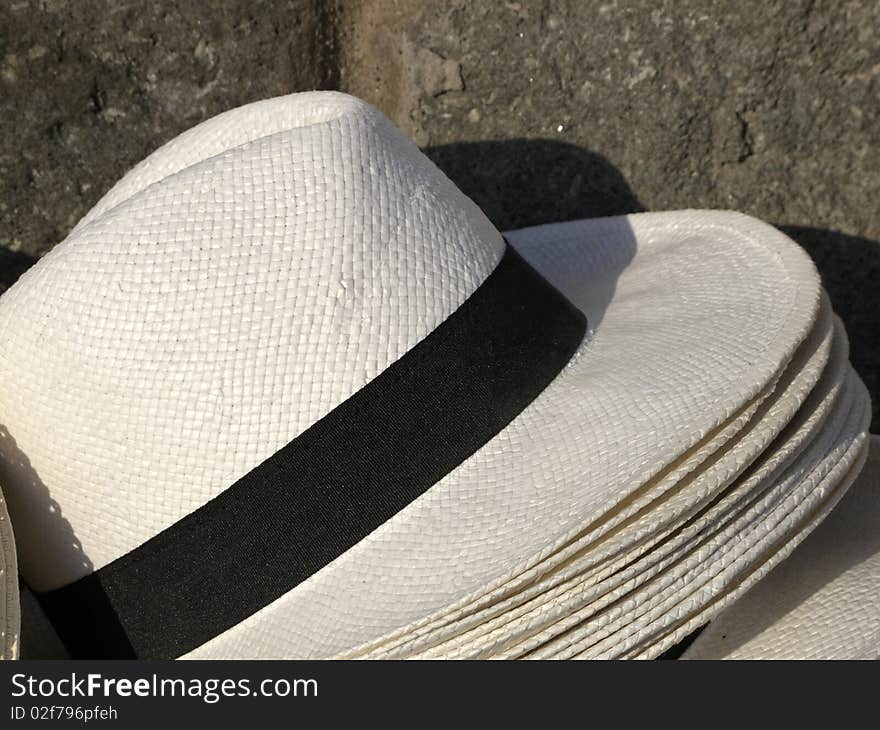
(694, 315)
(821, 603)
(10, 619)
(703, 502)
(721, 568)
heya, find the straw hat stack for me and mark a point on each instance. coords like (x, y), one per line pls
(285, 392)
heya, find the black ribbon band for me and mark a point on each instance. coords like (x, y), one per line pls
(334, 483)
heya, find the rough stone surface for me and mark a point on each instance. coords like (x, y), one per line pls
(540, 110)
(88, 88)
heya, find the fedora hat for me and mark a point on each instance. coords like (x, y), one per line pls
(286, 392)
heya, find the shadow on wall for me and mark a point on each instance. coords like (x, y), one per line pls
(12, 265)
(522, 182)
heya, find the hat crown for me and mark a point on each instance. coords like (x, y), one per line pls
(230, 291)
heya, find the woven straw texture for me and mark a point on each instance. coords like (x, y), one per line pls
(821, 603)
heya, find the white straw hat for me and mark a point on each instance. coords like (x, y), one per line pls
(285, 392)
